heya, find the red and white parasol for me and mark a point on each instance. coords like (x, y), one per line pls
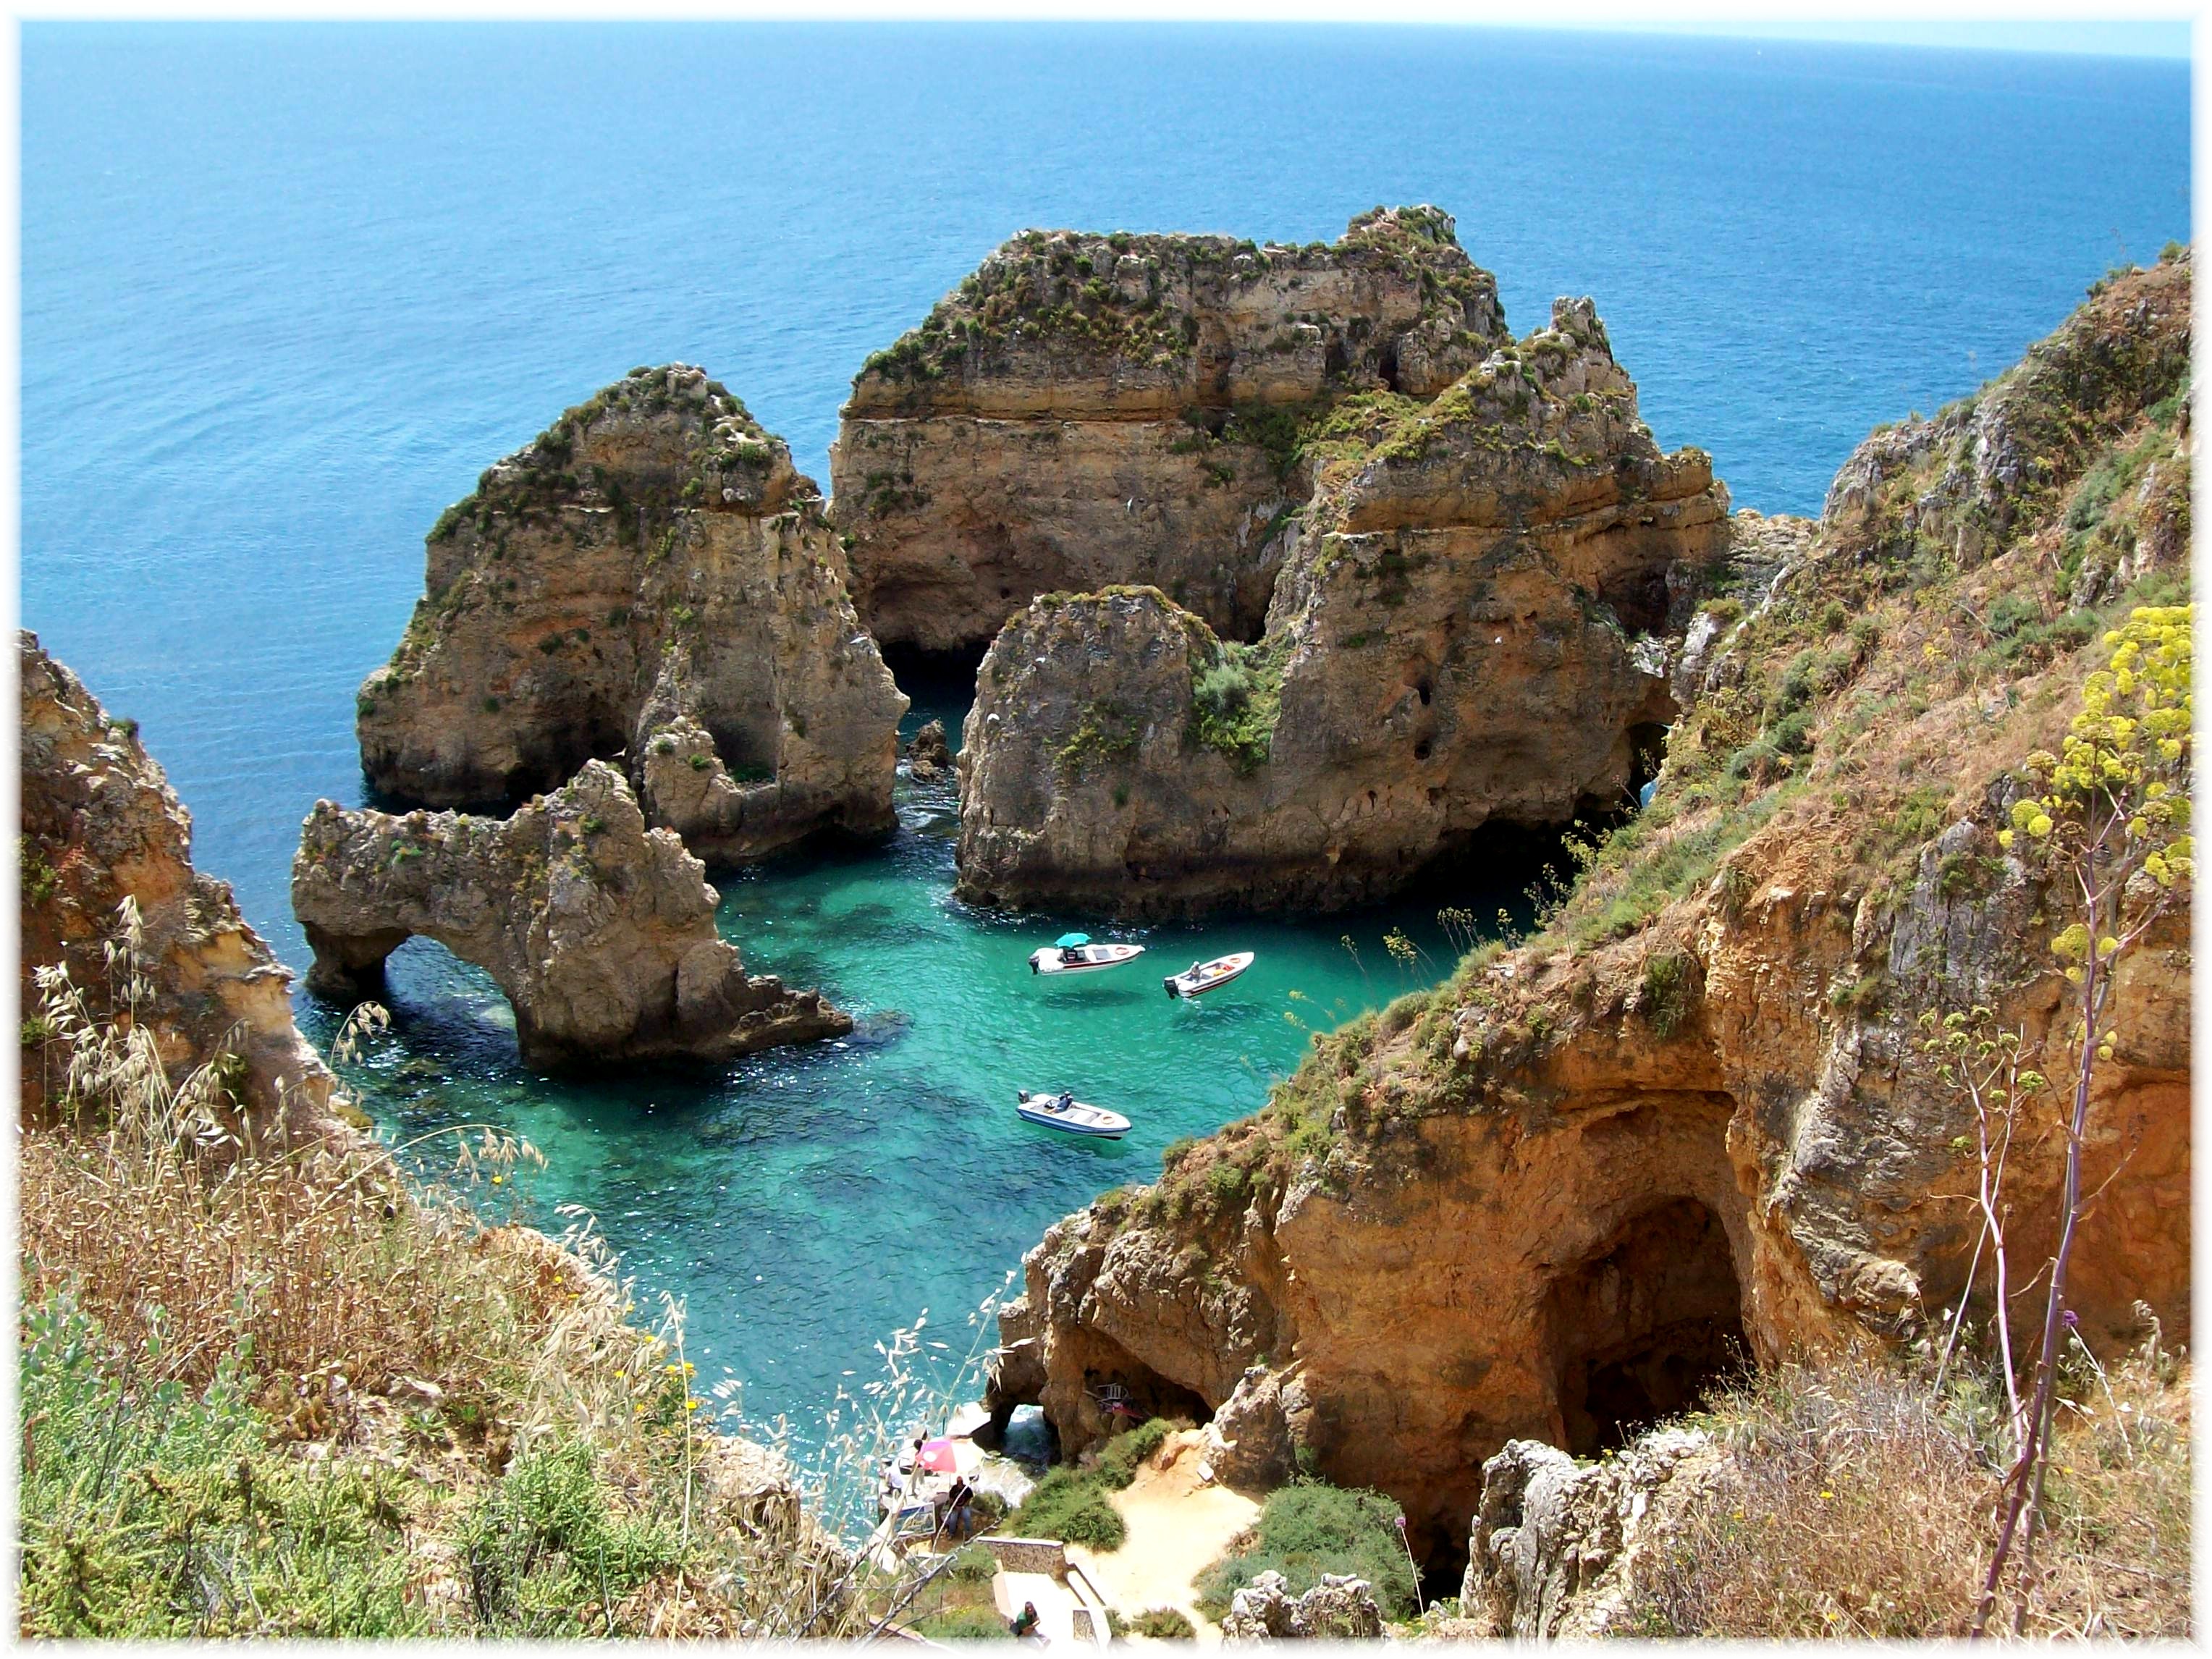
(948, 1455)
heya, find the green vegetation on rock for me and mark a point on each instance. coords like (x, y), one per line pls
(1236, 700)
(1309, 1528)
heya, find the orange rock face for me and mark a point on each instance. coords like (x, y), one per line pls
(1695, 1116)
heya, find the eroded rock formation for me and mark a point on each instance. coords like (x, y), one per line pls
(1469, 626)
(1556, 1544)
(99, 826)
(600, 931)
(1695, 1115)
(1340, 1608)
(1085, 411)
(650, 578)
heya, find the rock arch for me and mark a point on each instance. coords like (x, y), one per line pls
(600, 931)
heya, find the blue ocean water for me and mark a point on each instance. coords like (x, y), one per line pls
(288, 288)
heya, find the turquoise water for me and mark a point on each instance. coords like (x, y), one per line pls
(808, 1201)
(287, 289)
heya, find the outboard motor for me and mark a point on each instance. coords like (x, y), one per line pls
(1169, 984)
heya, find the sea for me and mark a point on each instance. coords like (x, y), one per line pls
(287, 289)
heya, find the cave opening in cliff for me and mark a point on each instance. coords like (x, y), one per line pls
(1641, 1328)
(940, 685)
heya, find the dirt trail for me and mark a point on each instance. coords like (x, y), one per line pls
(1177, 1528)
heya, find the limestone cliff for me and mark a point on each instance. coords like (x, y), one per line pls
(1690, 1116)
(600, 931)
(99, 826)
(1085, 411)
(1470, 625)
(649, 579)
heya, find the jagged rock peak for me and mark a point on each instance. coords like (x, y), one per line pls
(600, 931)
(100, 824)
(649, 579)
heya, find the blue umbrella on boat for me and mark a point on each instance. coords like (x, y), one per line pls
(1071, 941)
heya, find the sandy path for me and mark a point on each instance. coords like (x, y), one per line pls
(1177, 1528)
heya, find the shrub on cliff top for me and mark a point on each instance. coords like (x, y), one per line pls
(1309, 1528)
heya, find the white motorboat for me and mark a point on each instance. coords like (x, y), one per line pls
(1065, 1112)
(1076, 954)
(1200, 977)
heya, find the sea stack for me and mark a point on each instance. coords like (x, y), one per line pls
(1090, 409)
(600, 931)
(650, 580)
(1471, 624)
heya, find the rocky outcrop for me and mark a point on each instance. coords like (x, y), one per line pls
(929, 759)
(101, 828)
(649, 580)
(1694, 1119)
(1340, 1608)
(600, 931)
(1556, 1543)
(1087, 410)
(1470, 627)
(1248, 1439)
(1968, 479)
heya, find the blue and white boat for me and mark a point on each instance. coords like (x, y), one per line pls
(1072, 1116)
(1074, 953)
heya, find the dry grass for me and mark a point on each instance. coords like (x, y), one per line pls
(378, 1326)
(340, 1276)
(1856, 1504)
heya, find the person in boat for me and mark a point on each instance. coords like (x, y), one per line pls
(1066, 1099)
(1070, 955)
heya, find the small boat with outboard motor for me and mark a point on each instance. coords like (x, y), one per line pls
(1063, 1111)
(1200, 977)
(1074, 953)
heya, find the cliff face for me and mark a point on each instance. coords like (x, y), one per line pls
(101, 825)
(1693, 1114)
(1469, 624)
(600, 931)
(651, 579)
(1156, 382)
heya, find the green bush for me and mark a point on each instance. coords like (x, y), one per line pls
(1668, 990)
(1221, 692)
(1308, 1530)
(1164, 1625)
(964, 1624)
(541, 1546)
(1118, 1462)
(1235, 701)
(1793, 734)
(1070, 1504)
